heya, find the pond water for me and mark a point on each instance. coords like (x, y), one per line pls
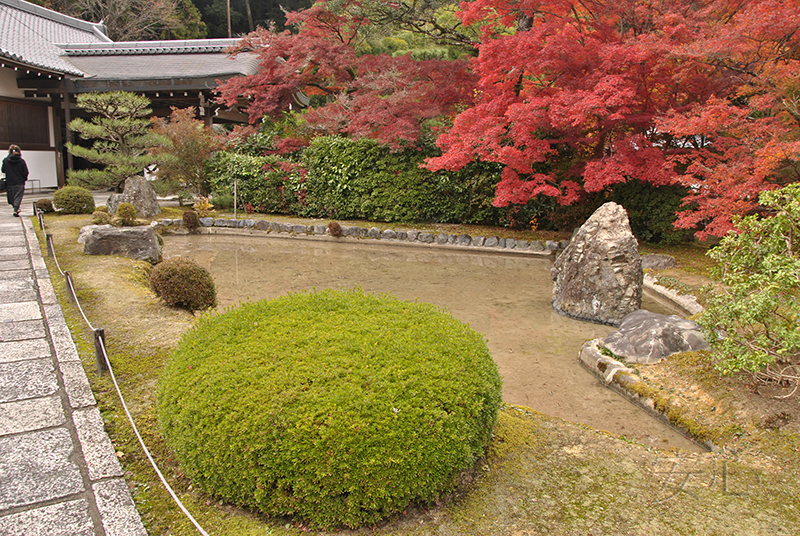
(505, 297)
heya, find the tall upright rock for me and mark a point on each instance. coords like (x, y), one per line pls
(599, 276)
(140, 194)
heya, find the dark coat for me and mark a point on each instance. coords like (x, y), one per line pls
(15, 169)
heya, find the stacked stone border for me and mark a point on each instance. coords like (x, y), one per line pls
(614, 374)
(212, 225)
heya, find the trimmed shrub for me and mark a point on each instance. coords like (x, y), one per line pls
(100, 217)
(337, 407)
(73, 200)
(44, 205)
(191, 220)
(182, 283)
(126, 214)
(101, 208)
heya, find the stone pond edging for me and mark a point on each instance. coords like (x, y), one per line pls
(614, 373)
(216, 225)
(618, 376)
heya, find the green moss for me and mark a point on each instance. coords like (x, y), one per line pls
(674, 414)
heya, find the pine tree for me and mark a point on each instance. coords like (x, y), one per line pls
(121, 133)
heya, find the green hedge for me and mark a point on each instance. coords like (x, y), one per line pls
(652, 211)
(337, 407)
(259, 181)
(362, 179)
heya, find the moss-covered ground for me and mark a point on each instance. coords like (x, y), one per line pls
(542, 475)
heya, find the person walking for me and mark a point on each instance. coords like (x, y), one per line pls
(16, 171)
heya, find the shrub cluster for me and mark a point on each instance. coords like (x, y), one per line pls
(126, 214)
(44, 205)
(337, 407)
(751, 322)
(73, 200)
(182, 283)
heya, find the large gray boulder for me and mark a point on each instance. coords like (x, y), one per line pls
(140, 194)
(139, 243)
(645, 337)
(598, 277)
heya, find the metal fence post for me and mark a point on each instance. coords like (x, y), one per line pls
(100, 335)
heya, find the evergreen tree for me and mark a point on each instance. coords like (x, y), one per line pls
(121, 133)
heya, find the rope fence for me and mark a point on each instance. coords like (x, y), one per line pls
(104, 365)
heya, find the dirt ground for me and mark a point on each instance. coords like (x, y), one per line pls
(544, 475)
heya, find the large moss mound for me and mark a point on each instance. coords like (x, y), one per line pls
(336, 407)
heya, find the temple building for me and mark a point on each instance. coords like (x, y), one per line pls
(47, 59)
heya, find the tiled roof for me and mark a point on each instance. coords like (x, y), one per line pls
(28, 34)
(192, 46)
(132, 66)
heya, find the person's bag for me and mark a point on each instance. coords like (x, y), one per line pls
(3, 184)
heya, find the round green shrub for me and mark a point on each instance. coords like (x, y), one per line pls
(44, 205)
(337, 407)
(191, 220)
(73, 200)
(182, 283)
(100, 217)
(126, 214)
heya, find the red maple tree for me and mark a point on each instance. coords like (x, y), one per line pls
(388, 98)
(660, 91)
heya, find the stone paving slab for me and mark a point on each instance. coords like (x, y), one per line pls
(7, 241)
(28, 415)
(36, 467)
(32, 378)
(10, 285)
(62, 519)
(76, 385)
(19, 331)
(20, 264)
(14, 253)
(11, 296)
(15, 274)
(117, 510)
(14, 312)
(23, 350)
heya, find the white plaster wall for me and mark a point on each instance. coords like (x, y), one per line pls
(8, 84)
(41, 167)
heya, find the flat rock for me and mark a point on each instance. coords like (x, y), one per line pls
(139, 243)
(657, 261)
(645, 337)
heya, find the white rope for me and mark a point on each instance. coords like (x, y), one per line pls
(144, 447)
(71, 286)
(125, 407)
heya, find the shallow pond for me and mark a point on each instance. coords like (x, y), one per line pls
(505, 297)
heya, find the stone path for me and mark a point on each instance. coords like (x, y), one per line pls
(59, 475)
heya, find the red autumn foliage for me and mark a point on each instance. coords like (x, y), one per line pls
(383, 97)
(661, 91)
